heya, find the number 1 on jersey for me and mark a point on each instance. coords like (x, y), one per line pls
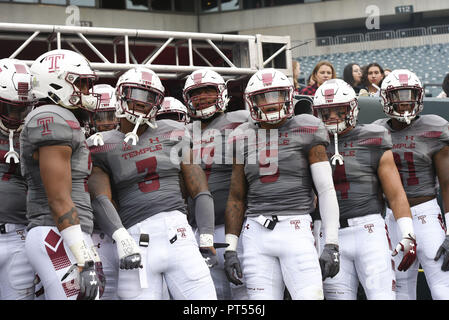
(341, 183)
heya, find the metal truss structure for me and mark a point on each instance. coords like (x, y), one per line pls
(172, 55)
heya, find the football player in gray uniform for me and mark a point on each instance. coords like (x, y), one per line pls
(116, 248)
(206, 95)
(16, 101)
(421, 153)
(141, 163)
(56, 163)
(275, 194)
(363, 167)
(173, 109)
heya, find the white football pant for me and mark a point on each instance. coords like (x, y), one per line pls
(365, 256)
(172, 255)
(279, 258)
(430, 234)
(51, 259)
(16, 273)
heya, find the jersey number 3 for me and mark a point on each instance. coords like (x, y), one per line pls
(151, 180)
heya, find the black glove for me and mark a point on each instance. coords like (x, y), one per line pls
(88, 281)
(232, 264)
(133, 261)
(444, 250)
(210, 258)
(329, 261)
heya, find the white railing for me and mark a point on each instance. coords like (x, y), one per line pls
(242, 55)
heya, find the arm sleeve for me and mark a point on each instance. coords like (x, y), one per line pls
(105, 215)
(204, 213)
(329, 209)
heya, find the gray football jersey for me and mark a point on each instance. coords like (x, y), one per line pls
(279, 179)
(144, 177)
(50, 125)
(413, 149)
(356, 182)
(213, 147)
(13, 188)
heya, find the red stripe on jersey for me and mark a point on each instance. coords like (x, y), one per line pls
(431, 134)
(231, 125)
(58, 258)
(20, 68)
(73, 124)
(304, 129)
(371, 141)
(104, 148)
(174, 133)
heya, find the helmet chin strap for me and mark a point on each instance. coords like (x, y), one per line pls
(11, 153)
(133, 135)
(98, 139)
(337, 157)
(407, 117)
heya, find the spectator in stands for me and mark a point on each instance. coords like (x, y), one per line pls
(352, 74)
(386, 72)
(445, 86)
(296, 71)
(372, 77)
(310, 81)
(323, 71)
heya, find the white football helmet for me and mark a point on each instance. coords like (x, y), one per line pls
(269, 96)
(104, 118)
(16, 95)
(398, 88)
(173, 109)
(337, 97)
(139, 94)
(205, 105)
(66, 78)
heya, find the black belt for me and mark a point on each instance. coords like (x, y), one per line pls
(344, 223)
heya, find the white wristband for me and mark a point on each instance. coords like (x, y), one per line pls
(406, 226)
(446, 218)
(206, 240)
(125, 243)
(73, 237)
(232, 240)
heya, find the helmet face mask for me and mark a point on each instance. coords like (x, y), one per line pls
(139, 93)
(335, 103)
(269, 96)
(12, 114)
(270, 105)
(402, 95)
(205, 94)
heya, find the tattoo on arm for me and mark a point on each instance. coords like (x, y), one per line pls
(194, 179)
(69, 218)
(317, 154)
